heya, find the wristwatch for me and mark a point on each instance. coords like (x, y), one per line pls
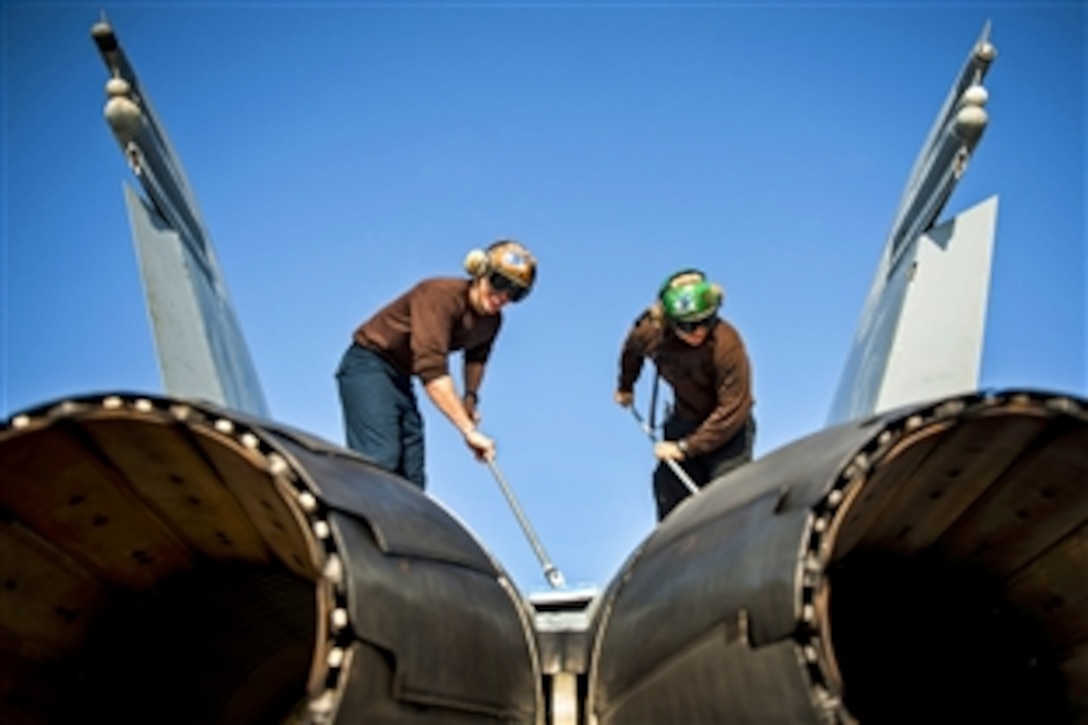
(682, 444)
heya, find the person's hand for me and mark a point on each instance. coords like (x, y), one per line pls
(469, 401)
(624, 398)
(668, 451)
(482, 446)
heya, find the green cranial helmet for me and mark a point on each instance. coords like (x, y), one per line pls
(688, 296)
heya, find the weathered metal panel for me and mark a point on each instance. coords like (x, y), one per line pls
(455, 638)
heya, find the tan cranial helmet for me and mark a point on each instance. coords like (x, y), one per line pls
(508, 264)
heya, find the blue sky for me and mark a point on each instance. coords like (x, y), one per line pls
(342, 152)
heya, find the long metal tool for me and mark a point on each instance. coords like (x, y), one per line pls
(551, 573)
(680, 472)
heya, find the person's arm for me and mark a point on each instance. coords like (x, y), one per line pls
(432, 318)
(632, 355)
(444, 396)
(474, 376)
(734, 401)
(474, 363)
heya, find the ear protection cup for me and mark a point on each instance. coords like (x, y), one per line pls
(656, 312)
(477, 263)
(719, 293)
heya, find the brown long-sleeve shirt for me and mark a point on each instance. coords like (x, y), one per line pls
(711, 383)
(417, 331)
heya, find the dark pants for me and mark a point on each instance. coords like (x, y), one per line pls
(669, 490)
(381, 415)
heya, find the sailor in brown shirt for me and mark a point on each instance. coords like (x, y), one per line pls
(710, 430)
(413, 336)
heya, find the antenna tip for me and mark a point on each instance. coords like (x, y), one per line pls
(985, 52)
(102, 28)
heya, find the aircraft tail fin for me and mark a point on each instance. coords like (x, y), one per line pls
(920, 335)
(199, 343)
(202, 352)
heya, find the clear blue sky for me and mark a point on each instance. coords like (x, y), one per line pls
(340, 153)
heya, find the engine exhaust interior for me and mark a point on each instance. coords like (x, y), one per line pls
(957, 586)
(152, 567)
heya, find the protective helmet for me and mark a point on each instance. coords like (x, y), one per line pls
(509, 266)
(688, 296)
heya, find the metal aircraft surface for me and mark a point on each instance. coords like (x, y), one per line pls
(179, 558)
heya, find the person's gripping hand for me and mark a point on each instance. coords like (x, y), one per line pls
(668, 451)
(482, 446)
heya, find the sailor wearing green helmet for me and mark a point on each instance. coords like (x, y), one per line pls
(710, 429)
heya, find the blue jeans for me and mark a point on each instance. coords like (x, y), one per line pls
(381, 414)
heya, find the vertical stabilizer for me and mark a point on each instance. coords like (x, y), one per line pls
(920, 334)
(201, 350)
(937, 347)
(198, 340)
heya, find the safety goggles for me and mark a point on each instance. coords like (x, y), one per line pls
(501, 283)
(690, 327)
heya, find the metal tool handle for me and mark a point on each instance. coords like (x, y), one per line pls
(673, 465)
(551, 573)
